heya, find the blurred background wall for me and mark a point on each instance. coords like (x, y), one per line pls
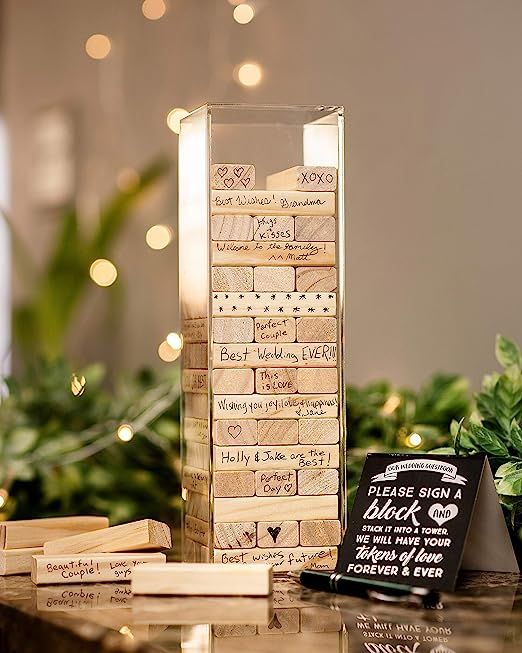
(434, 184)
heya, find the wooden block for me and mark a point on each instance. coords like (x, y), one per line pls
(197, 530)
(276, 483)
(195, 552)
(320, 620)
(18, 561)
(31, 533)
(195, 429)
(285, 620)
(277, 533)
(320, 532)
(239, 381)
(196, 480)
(277, 431)
(312, 279)
(283, 559)
(235, 535)
(231, 176)
(276, 380)
(274, 406)
(233, 617)
(76, 597)
(274, 278)
(266, 202)
(317, 379)
(239, 630)
(318, 431)
(314, 228)
(325, 456)
(143, 535)
(194, 381)
(316, 329)
(273, 227)
(235, 431)
(232, 278)
(196, 405)
(289, 643)
(307, 178)
(232, 227)
(286, 508)
(274, 329)
(293, 253)
(234, 484)
(94, 568)
(197, 454)
(197, 505)
(318, 481)
(195, 356)
(202, 579)
(195, 330)
(278, 304)
(233, 329)
(272, 355)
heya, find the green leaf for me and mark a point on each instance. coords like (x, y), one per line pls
(507, 352)
(487, 440)
(508, 398)
(510, 485)
(516, 438)
(443, 451)
(20, 441)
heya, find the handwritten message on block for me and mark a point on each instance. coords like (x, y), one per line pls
(194, 381)
(273, 227)
(284, 457)
(316, 354)
(195, 429)
(272, 253)
(270, 406)
(282, 559)
(273, 303)
(195, 330)
(275, 483)
(265, 202)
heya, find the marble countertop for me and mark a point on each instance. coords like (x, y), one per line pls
(483, 616)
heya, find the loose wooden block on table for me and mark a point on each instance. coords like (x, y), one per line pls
(304, 178)
(94, 568)
(234, 484)
(317, 619)
(275, 406)
(197, 530)
(232, 227)
(287, 642)
(232, 329)
(318, 431)
(195, 330)
(277, 533)
(277, 431)
(196, 480)
(195, 429)
(318, 481)
(235, 431)
(234, 278)
(285, 620)
(320, 532)
(240, 381)
(282, 558)
(274, 329)
(276, 380)
(290, 354)
(30, 533)
(316, 279)
(286, 508)
(235, 535)
(278, 304)
(194, 381)
(272, 253)
(314, 228)
(142, 535)
(273, 227)
(276, 483)
(195, 355)
(274, 278)
(317, 379)
(316, 329)
(267, 202)
(230, 176)
(202, 579)
(18, 561)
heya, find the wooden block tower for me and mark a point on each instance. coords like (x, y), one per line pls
(261, 239)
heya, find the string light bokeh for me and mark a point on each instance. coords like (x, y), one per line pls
(98, 46)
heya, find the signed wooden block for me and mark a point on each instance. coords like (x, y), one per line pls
(232, 227)
(195, 330)
(274, 278)
(235, 535)
(194, 381)
(276, 483)
(277, 457)
(274, 406)
(277, 533)
(274, 329)
(196, 480)
(276, 380)
(318, 431)
(285, 620)
(320, 532)
(232, 630)
(272, 253)
(317, 619)
(272, 355)
(230, 176)
(277, 304)
(197, 530)
(235, 431)
(233, 278)
(286, 508)
(316, 329)
(316, 279)
(234, 484)
(277, 431)
(317, 379)
(313, 228)
(318, 481)
(195, 429)
(304, 178)
(56, 598)
(237, 381)
(18, 561)
(233, 329)
(282, 558)
(31, 533)
(273, 227)
(195, 356)
(267, 202)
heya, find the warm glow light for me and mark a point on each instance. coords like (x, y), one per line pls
(153, 9)
(243, 14)
(391, 404)
(174, 117)
(234, 3)
(103, 272)
(98, 46)
(413, 440)
(159, 236)
(249, 74)
(175, 340)
(4, 495)
(127, 179)
(78, 385)
(125, 432)
(167, 353)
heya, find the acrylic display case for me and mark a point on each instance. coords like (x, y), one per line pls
(261, 251)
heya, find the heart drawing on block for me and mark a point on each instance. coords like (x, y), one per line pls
(234, 431)
(239, 170)
(229, 182)
(274, 532)
(441, 514)
(222, 171)
(245, 181)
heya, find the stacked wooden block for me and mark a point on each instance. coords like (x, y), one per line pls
(273, 372)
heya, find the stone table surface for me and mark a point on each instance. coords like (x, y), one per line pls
(483, 616)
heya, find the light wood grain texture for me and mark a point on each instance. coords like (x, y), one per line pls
(30, 533)
(265, 508)
(289, 643)
(316, 354)
(316, 329)
(195, 330)
(276, 483)
(194, 381)
(324, 456)
(273, 227)
(276, 380)
(316, 279)
(320, 620)
(233, 329)
(240, 381)
(195, 552)
(197, 454)
(197, 505)
(143, 535)
(285, 620)
(274, 329)
(234, 484)
(277, 533)
(266, 202)
(282, 559)
(54, 598)
(232, 227)
(202, 579)
(315, 228)
(318, 481)
(195, 429)
(94, 568)
(304, 178)
(195, 356)
(277, 431)
(197, 530)
(196, 405)
(234, 278)
(235, 431)
(230, 176)
(275, 406)
(196, 480)
(274, 278)
(320, 532)
(318, 431)
(18, 561)
(235, 535)
(239, 630)
(278, 304)
(271, 253)
(317, 379)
